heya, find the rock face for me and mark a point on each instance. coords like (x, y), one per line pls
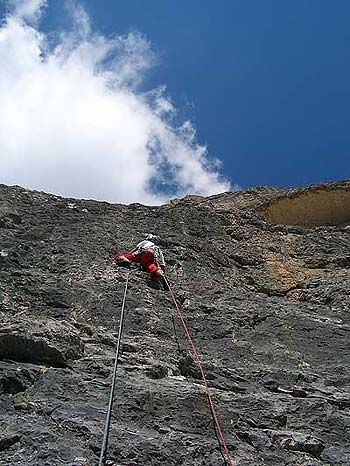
(263, 277)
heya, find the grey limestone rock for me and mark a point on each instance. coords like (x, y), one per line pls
(262, 276)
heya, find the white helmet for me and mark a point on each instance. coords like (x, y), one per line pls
(153, 238)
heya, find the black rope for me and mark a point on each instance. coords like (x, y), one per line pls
(111, 395)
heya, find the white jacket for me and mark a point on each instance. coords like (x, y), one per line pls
(144, 245)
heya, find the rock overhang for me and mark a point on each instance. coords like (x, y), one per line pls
(314, 206)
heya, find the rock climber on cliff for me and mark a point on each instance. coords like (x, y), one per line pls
(148, 254)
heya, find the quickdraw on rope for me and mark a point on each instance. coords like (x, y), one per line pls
(205, 382)
(103, 455)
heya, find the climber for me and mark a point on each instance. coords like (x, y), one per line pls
(149, 255)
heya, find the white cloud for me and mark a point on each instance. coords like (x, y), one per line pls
(28, 10)
(73, 122)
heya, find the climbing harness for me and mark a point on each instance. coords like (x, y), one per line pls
(114, 378)
(217, 427)
(205, 382)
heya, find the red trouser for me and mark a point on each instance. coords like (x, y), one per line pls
(146, 259)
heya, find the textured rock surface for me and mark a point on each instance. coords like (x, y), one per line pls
(267, 305)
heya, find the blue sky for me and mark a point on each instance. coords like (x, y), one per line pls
(265, 83)
(269, 80)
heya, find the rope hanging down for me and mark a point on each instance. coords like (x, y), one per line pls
(205, 382)
(111, 395)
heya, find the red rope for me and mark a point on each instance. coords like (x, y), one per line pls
(205, 382)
